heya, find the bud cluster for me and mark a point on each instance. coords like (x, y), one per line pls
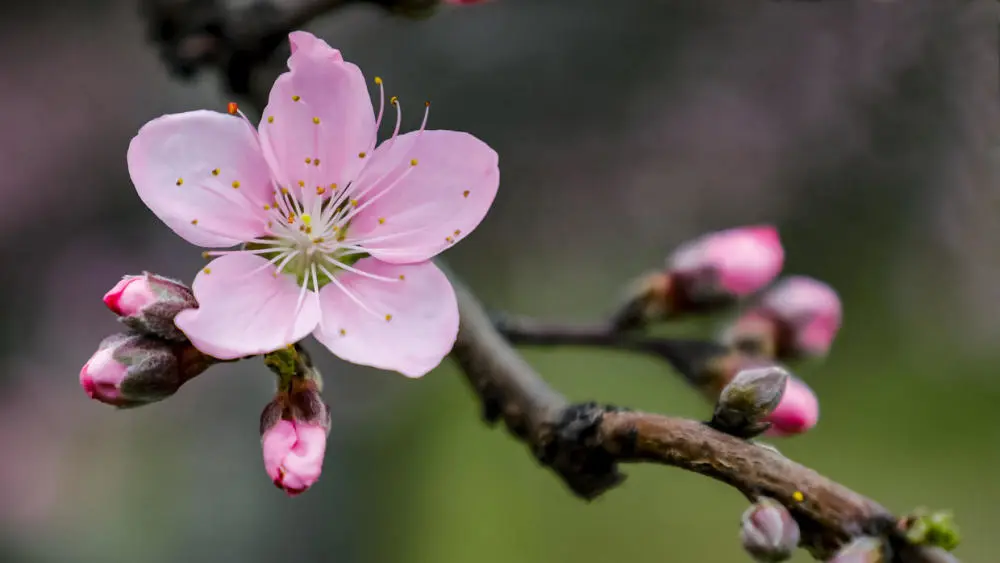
(150, 361)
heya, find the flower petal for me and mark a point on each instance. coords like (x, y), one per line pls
(245, 310)
(318, 120)
(416, 211)
(204, 175)
(408, 325)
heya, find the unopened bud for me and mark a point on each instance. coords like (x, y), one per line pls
(797, 412)
(769, 533)
(861, 550)
(293, 429)
(798, 318)
(748, 400)
(723, 266)
(148, 304)
(130, 370)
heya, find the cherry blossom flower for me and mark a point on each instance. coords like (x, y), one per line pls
(335, 233)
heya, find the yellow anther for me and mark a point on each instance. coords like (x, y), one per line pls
(316, 161)
(449, 239)
(333, 187)
(194, 221)
(284, 191)
(465, 193)
(320, 190)
(381, 220)
(309, 160)
(388, 318)
(362, 154)
(318, 240)
(378, 80)
(427, 104)
(341, 237)
(316, 120)
(394, 100)
(296, 98)
(180, 181)
(266, 207)
(236, 184)
(354, 203)
(291, 217)
(413, 162)
(270, 119)
(308, 230)
(307, 219)
(215, 172)
(401, 277)
(205, 255)
(798, 496)
(343, 332)
(207, 270)
(302, 183)
(457, 232)
(270, 224)
(302, 228)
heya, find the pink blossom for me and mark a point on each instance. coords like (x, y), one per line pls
(809, 311)
(130, 295)
(797, 412)
(736, 261)
(293, 454)
(336, 234)
(102, 376)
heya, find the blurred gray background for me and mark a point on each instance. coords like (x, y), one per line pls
(863, 129)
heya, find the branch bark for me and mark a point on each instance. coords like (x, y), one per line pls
(582, 443)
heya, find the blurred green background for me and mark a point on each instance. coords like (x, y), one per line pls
(863, 129)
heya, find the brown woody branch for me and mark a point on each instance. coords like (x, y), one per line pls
(582, 443)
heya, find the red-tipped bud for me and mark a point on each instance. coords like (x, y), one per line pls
(797, 318)
(769, 533)
(293, 428)
(148, 304)
(797, 412)
(727, 264)
(130, 370)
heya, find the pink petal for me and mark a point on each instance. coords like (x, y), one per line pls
(744, 259)
(426, 208)
(171, 161)
(810, 308)
(321, 110)
(293, 454)
(421, 310)
(797, 412)
(246, 310)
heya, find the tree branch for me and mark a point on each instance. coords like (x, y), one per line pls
(582, 443)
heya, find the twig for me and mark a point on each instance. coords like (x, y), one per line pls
(582, 443)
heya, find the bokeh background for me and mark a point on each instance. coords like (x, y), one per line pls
(863, 129)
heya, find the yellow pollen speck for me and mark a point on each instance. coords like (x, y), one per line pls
(320, 190)
(457, 232)
(180, 181)
(394, 100)
(413, 162)
(291, 217)
(333, 187)
(236, 184)
(316, 162)
(302, 228)
(354, 203)
(343, 332)
(362, 155)
(318, 240)
(205, 255)
(215, 172)
(207, 270)
(270, 119)
(341, 237)
(308, 160)
(284, 191)
(336, 228)
(449, 239)
(316, 120)
(381, 220)
(307, 218)
(465, 193)
(266, 207)
(798, 496)
(302, 183)
(427, 104)
(296, 98)
(194, 221)
(378, 80)
(388, 318)
(401, 277)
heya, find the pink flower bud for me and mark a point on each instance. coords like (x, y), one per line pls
(809, 314)
(130, 296)
(293, 454)
(149, 303)
(727, 264)
(130, 370)
(102, 376)
(797, 412)
(769, 533)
